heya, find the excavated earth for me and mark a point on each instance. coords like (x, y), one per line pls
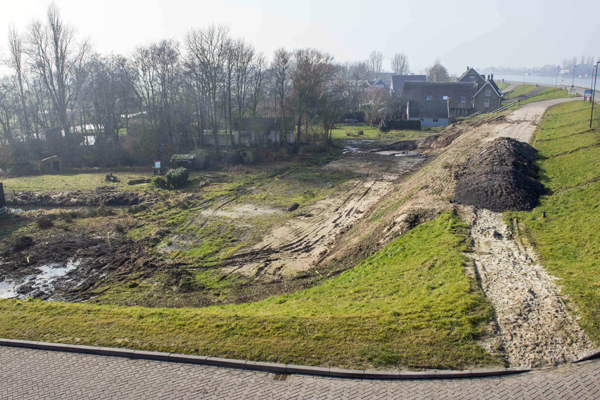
(74, 266)
(101, 197)
(499, 177)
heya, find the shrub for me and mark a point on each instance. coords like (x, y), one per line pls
(176, 178)
(160, 183)
(45, 223)
(234, 158)
(120, 229)
(360, 133)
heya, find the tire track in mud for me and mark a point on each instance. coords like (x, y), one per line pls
(308, 241)
(534, 326)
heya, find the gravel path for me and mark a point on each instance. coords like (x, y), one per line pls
(534, 326)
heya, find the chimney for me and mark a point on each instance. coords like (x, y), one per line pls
(467, 67)
(491, 77)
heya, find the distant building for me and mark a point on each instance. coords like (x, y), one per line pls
(460, 96)
(52, 165)
(398, 81)
(431, 113)
(470, 94)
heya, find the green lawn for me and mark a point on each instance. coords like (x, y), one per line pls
(568, 236)
(73, 182)
(409, 305)
(502, 86)
(372, 133)
(521, 90)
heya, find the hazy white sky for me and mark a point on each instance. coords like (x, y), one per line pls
(459, 32)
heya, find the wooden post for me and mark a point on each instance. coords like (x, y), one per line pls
(2, 199)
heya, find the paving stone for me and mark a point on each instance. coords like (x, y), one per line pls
(39, 374)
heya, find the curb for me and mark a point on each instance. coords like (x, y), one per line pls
(589, 356)
(261, 366)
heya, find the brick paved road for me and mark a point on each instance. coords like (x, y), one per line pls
(36, 374)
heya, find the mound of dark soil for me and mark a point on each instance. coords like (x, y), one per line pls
(500, 177)
(79, 199)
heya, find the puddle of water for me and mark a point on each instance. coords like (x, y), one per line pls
(43, 281)
(7, 290)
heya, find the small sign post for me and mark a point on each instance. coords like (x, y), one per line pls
(158, 168)
(587, 95)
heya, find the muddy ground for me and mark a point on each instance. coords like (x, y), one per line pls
(245, 234)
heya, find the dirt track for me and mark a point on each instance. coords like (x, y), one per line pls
(535, 327)
(303, 241)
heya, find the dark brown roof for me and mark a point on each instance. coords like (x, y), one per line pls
(398, 81)
(437, 90)
(428, 109)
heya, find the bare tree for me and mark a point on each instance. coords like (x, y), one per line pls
(207, 53)
(258, 73)
(58, 61)
(242, 63)
(280, 68)
(437, 73)
(375, 62)
(373, 104)
(400, 64)
(354, 77)
(7, 108)
(15, 44)
(312, 70)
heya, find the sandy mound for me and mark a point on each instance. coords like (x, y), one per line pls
(500, 177)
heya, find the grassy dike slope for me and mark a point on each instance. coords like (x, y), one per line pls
(409, 305)
(568, 237)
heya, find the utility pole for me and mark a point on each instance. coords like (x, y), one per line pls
(591, 83)
(557, 71)
(594, 93)
(573, 83)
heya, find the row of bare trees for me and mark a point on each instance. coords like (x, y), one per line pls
(166, 95)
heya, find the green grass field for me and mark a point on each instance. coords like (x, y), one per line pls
(502, 86)
(410, 305)
(372, 133)
(568, 237)
(521, 90)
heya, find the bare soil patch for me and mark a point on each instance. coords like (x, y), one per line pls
(534, 325)
(102, 196)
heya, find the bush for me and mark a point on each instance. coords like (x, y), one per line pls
(177, 178)
(160, 183)
(45, 223)
(234, 158)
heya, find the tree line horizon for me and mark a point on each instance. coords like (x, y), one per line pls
(209, 83)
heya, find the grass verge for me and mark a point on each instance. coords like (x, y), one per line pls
(409, 305)
(521, 90)
(565, 227)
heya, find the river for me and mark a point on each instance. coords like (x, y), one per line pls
(547, 80)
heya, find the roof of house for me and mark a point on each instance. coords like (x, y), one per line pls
(428, 109)
(398, 81)
(467, 72)
(489, 83)
(437, 90)
(182, 157)
(59, 158)
(496, 88)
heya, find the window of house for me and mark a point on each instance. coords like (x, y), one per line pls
(488, 93)
(472, 78)
(463, 99)
(486, 103)
(464, 111)
(428, 97)
(435, 120)
(444, 97)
